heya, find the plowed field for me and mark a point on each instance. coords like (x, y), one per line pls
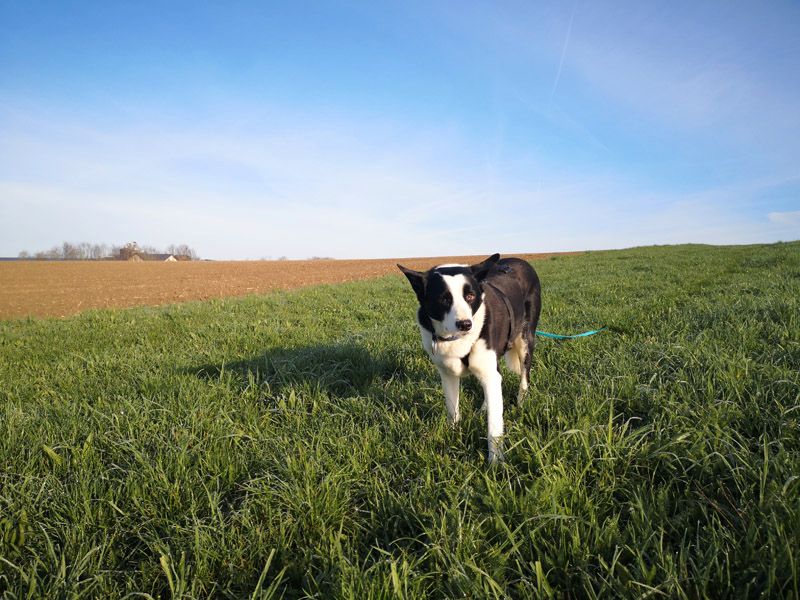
(59, 289)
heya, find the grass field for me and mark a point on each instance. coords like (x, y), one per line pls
(295, 444)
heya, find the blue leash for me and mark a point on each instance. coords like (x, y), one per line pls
(557, 336)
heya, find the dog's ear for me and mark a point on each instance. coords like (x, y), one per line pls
(417, 280)
(481, 270)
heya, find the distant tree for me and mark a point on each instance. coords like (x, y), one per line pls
(98, 251)
(182, 251)
(88, 251)
(78, 251)
(69, 251)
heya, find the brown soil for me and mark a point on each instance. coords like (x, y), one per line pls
(59, 289)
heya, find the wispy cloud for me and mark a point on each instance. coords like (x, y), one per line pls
(710, 82)
(790, 218)
(344, 189)
(341, 189)
(563, 51)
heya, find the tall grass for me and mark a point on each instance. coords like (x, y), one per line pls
(295, 445)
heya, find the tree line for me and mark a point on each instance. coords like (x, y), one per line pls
(88, 251)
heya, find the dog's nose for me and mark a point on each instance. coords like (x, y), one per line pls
(464, 325)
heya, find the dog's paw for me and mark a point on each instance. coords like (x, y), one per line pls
(495, 458)
(495, 451)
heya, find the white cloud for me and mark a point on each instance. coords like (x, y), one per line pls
(790, 218)
(331, 188)
(334, 188)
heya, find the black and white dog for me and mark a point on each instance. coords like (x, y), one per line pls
(469, 316)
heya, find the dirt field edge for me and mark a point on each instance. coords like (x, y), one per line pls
(47, 289)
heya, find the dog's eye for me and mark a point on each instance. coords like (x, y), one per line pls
(445, 299)
(469, 297)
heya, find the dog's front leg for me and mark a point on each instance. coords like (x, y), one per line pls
(483, 364)
(451, 384)
(493, 397)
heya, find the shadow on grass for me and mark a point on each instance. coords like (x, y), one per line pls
(350, 376)
(339, 370)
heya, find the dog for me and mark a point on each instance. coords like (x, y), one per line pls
(468, 317)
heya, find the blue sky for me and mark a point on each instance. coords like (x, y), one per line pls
(383, 129)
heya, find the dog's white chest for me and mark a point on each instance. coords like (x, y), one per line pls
(448, 354)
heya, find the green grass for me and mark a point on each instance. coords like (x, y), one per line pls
(295, 445)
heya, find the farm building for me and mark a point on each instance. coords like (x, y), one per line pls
(141, 256)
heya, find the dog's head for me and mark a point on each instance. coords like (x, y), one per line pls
(450, 295)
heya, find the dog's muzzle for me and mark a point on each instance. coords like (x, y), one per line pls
(464, 325)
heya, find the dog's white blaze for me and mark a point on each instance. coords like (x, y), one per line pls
(460, 309)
